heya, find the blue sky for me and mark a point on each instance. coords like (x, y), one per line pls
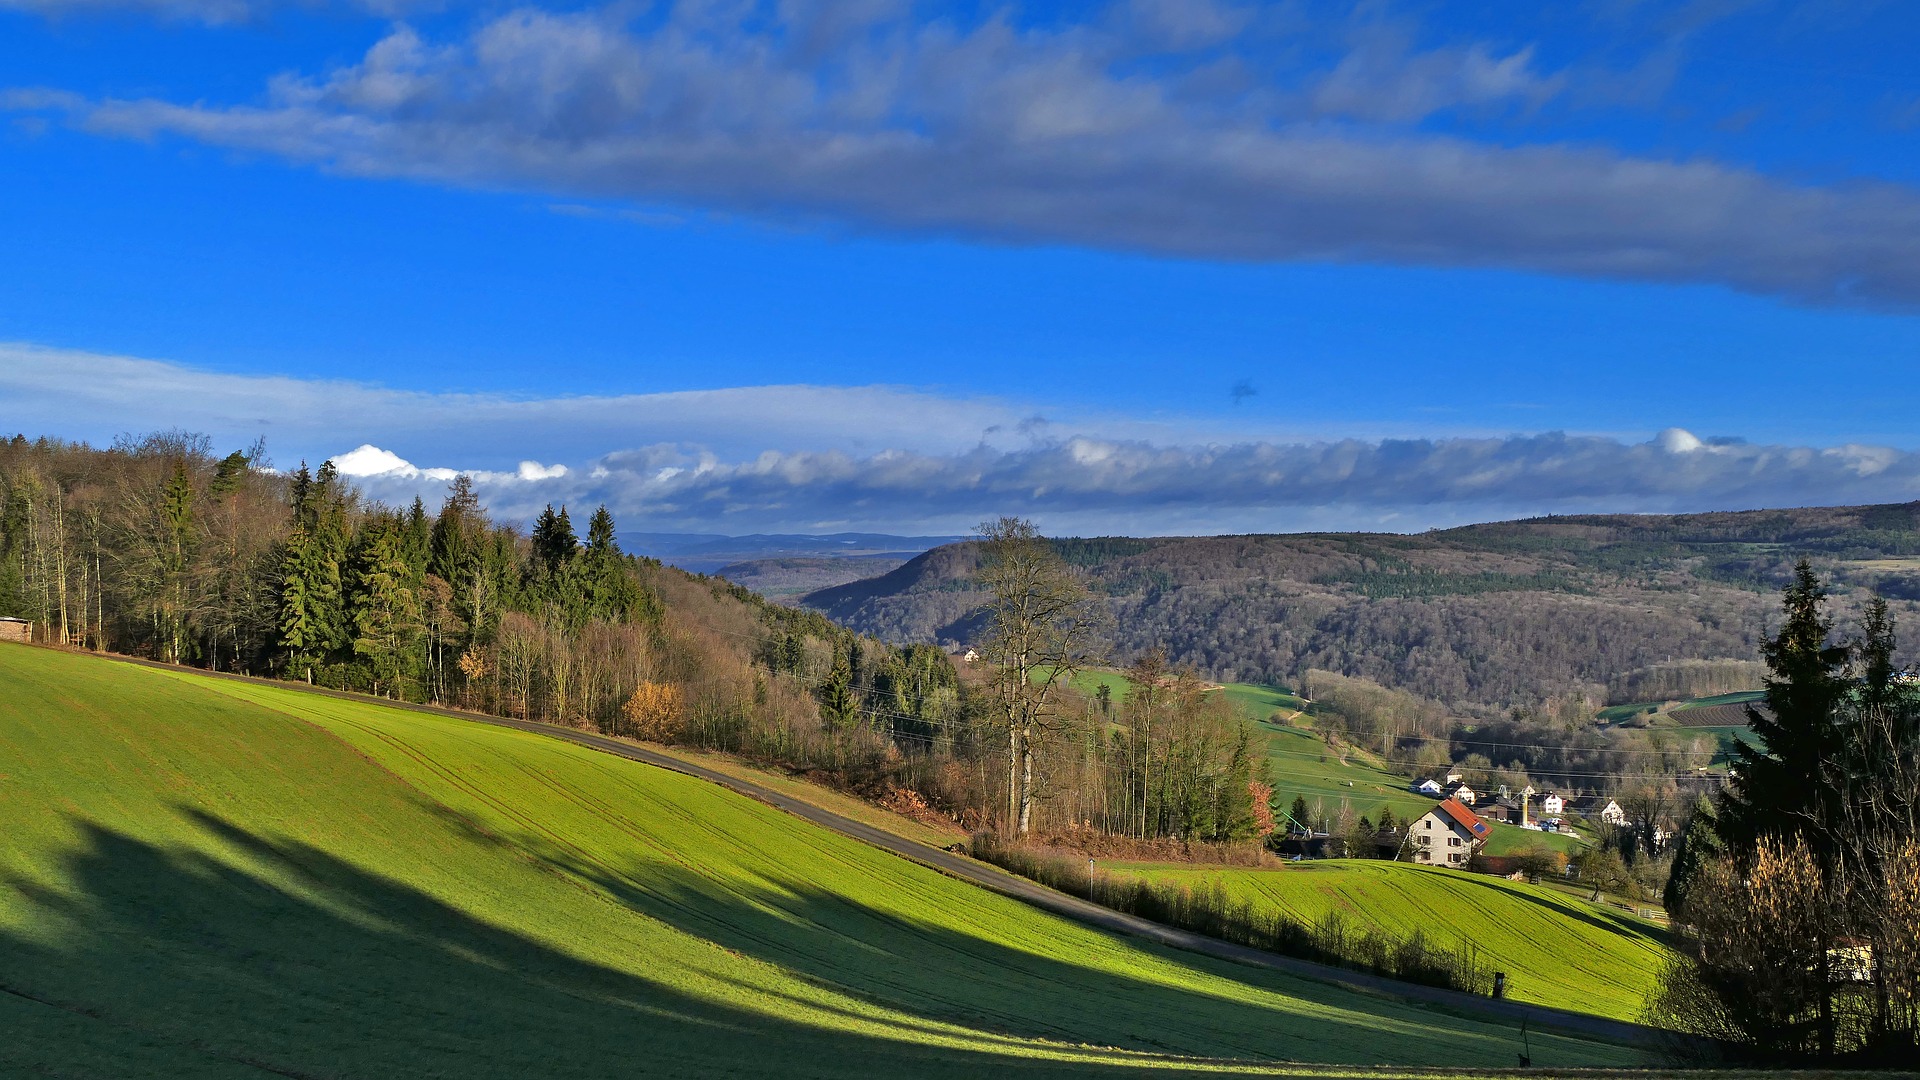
(1123, 267)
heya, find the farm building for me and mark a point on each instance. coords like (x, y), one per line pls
(1599, 808)
(1463, 793)
(1447, 835)
(1425, 787)
(1502, 810)
(12, 629)
(1552, 805)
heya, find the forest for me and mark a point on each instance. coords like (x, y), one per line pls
(1481, 620)
(163, 548)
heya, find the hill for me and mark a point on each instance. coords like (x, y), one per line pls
(1555, 949)
(1617, 608)
(783, 579)
(216, 878)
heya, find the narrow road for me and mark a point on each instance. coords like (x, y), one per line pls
(1536, 1017)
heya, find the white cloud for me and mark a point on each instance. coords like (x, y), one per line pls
(212, 12)
(760, 459)
(1020, 135)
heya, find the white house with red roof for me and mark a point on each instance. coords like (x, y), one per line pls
(1447, 835)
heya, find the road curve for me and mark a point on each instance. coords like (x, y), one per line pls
(1019, 888)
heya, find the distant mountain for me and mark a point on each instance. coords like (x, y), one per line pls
(706, 553)
(1482, 617)
(785, 580)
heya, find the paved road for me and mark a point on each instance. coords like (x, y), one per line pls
(992, 877)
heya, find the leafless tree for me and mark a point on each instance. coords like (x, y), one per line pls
(1044, 627)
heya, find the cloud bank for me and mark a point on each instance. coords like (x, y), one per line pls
(800, 459)
(1166, 129)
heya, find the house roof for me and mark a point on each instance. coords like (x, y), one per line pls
(1466, 818)
(9, 618)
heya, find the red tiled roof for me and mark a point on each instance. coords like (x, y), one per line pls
(1468, 820)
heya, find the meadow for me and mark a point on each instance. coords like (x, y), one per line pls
(215, 878)
(1555, 949)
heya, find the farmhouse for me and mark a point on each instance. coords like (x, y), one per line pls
(1447, 835)
(12, 629)
(1552, 805)
(1503, 810)
(1599, 808)
(1426, 787)
(1463, 793)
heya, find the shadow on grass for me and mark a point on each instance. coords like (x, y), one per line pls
(299, 963)
(1572, 909)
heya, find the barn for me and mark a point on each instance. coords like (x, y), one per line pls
(12, 629)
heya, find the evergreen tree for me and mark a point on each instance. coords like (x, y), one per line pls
(386, 610)
(554, 543)
(1782, 787)
(838, 706)
(304, 598)
(176, 557)
(612, 593)
(1298, 813)
(1697, 845)
(228, 474)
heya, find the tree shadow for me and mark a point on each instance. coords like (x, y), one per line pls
(1606, 921)
(291, 960)
(887, 956)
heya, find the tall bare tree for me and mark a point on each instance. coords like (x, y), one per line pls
(1044, 626)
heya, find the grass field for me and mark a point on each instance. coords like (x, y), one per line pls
(1555, 949)
(211, 878)
(1253, 700)
(1302, 764)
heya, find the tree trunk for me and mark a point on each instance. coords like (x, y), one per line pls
(1013, 773)
(1026, 783)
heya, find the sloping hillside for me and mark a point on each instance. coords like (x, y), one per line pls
(1556, 950)
(1488, 615)
(208, 878)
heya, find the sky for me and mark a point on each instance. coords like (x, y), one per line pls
(1134, 267)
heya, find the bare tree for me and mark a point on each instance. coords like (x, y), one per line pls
(1043, 628)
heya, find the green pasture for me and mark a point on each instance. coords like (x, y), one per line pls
(1555, 949)
(1738, 697)
(1615, 713)
(1301, 763)
(1252, 700)
(1503, 839)
(213, 878)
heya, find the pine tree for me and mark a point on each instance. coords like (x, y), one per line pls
(303, 599)
(612, 593)
(386, 610)
(1782, 787)
(554, 543)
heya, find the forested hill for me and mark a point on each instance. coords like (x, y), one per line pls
(1485, 616)
(160, 547)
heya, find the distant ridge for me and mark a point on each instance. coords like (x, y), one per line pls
(1482, 617)
(706, 553)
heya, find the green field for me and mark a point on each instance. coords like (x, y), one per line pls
(1302, 764)
(1555, 949)
(1738, 697)
(1252, 700)
(213, 878)
(1719, 703)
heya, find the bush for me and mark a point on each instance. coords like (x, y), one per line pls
(1332, 940)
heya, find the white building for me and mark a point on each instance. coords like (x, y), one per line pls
(1446, 835)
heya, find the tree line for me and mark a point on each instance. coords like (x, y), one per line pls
(159, 547)
(1799, 883)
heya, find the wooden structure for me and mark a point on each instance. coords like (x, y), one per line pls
(12, 629)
